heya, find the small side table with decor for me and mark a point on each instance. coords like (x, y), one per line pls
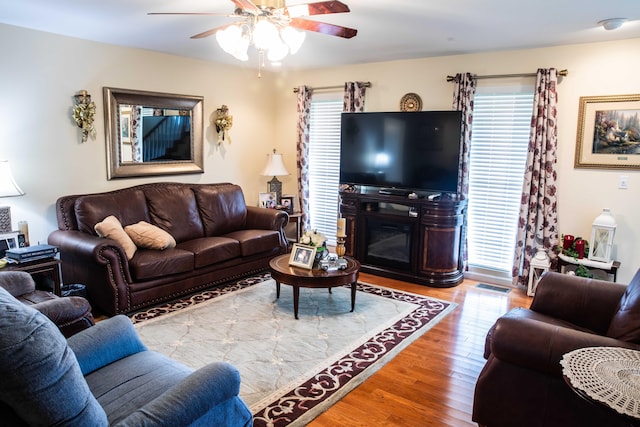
(601, 270)
(606, 376)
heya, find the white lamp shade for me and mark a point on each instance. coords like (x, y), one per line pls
(275, 166)
(8, 185)
(232, 41)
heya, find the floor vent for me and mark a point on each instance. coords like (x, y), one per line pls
(493, 288)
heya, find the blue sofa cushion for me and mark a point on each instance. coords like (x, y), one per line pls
(41, 379)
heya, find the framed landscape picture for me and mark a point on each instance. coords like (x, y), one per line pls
(608, 132)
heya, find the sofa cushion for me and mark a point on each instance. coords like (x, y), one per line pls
(256, 241)
(211, 250)
(148, 236)
(128, 206)
(151, 264)
(625, 324)
(173, 208)
(38, 371)
(128, 384)
(111, 228)
(222, 208)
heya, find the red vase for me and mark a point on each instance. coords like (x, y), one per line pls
(580, 248)
(568, 241)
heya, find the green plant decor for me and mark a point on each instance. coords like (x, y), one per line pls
(583, 271)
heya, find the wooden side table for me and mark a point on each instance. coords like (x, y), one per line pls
(45, 272)
(564, 261)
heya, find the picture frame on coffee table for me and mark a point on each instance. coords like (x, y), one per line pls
(302, 256)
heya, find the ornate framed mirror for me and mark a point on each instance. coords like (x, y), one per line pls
(152, 133)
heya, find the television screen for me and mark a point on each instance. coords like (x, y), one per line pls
(404, 150)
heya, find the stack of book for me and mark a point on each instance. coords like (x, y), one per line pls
(31, 253)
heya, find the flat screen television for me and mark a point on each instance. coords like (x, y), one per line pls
(417, 151)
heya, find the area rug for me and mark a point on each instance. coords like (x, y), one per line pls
(291, 370)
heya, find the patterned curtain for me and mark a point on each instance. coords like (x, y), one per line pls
(463, 93)
(304, 115)
(354, 97)
(538, 223)
(136, 132)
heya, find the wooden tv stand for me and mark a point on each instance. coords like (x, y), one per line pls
(412, 239)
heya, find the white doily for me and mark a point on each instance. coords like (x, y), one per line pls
(610, 375)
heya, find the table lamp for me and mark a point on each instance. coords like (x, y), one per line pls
(8, 188)
(275, 167)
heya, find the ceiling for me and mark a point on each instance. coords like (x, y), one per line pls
(387, 30)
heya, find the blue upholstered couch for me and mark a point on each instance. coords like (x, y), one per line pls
(103, 376)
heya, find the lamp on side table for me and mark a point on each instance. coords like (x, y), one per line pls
(275, 167)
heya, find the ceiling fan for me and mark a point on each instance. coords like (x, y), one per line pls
(270, 26)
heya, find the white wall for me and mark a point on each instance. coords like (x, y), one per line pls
(39, 75)
(594, 69)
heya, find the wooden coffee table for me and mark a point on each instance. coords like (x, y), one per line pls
(298, 278)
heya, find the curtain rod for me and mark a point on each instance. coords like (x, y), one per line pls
(562, 73)
(295, 89)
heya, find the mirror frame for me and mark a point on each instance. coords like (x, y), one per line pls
(113, 97)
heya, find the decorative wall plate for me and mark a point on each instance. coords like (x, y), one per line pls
(411, 102)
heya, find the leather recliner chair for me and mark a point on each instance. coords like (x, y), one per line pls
(522, 384)
(70, 314)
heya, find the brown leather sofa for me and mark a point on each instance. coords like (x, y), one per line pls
(218, 238)
(70, 314)
(522, 383)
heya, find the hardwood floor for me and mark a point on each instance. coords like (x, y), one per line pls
(431, 382)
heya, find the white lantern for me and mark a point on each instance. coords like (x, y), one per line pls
(540, 264)
(602, 232)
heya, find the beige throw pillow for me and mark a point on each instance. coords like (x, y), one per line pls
(111, 228)
(148, 236)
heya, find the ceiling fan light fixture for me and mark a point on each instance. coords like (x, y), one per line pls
(612, 23)
(277, 51)
(292, 38)
(265, 34)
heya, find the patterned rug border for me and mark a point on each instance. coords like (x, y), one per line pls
(304, 402)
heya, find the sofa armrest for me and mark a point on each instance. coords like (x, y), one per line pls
(63, 311)
(266, 219)
(589, 303)
(17, 282)
(269, 219)
(192, 398)
(109, 340)
(539, 346)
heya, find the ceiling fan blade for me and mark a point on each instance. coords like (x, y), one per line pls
(211, 31)
(247, 5)
(318, 8)
(324, 28)
(190, 13)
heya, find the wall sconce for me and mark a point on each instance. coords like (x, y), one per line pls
(83, 113)
(8, 188)
(602, 232)
(223, 122)
(275, 167)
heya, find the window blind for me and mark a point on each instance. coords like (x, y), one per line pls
(324, 166)
(498, 154)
